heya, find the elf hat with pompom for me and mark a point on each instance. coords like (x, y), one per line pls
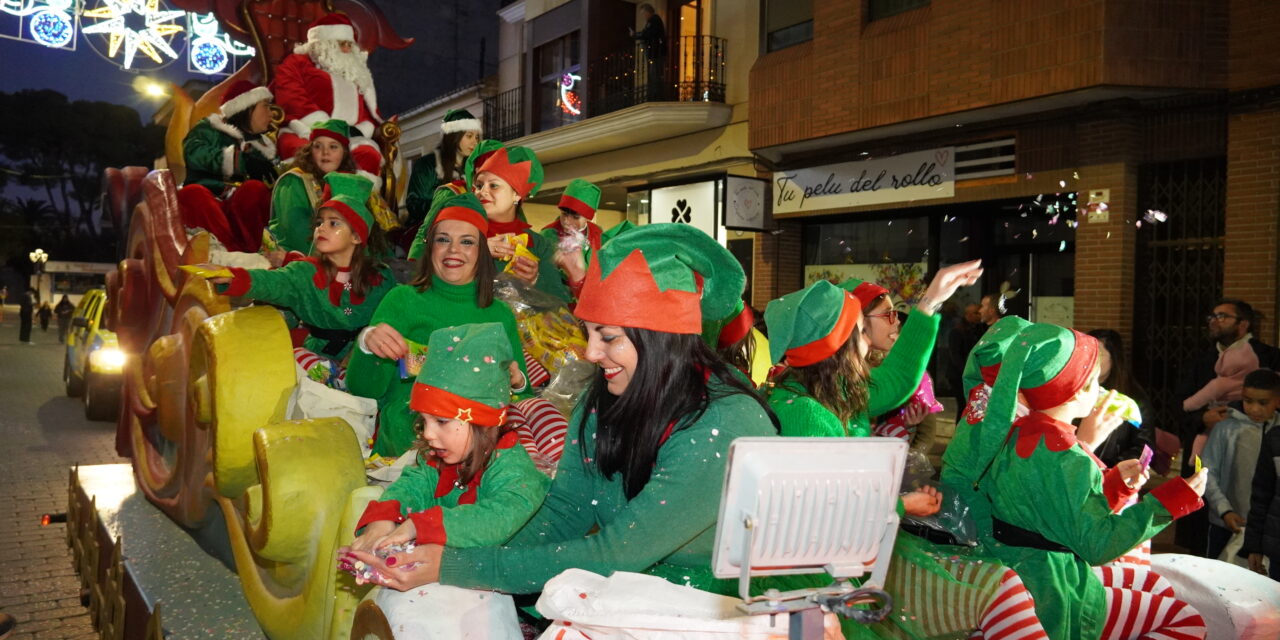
(456, 120)
(242, 95)
(810, 325)
(582, 198)
(517, 166)
(866, 292)
(466, 375)
(348, 194)
(461, 206)
(983, 364)
(335, 129)
(333, 26)
(661, 277)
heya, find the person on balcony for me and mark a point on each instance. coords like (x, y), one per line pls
(230, 167)
(653, 51)
(328, 77)
(442, 168)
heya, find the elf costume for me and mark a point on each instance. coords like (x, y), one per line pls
(416, 313)
(949, 591)
(808, 326)
(328, 308)
(1049, 510)
(465, 377)
(665, 278)
(583, 198)
(428, 171)
(297, 194)
(229, 172)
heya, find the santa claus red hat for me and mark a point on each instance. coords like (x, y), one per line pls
(242, 95)
(334, 26)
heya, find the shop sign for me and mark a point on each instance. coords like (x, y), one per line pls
(921, 175)
(692, 204)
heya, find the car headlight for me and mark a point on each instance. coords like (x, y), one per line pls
(109, 358)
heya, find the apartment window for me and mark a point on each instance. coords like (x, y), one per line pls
(877, 9)
(787, 23)
(561, 85)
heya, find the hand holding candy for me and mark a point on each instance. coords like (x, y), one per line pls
(404, 537)
(924, 501)
(1133, 473)
(1098, 425)
(373, 535)
(1198, 482)
(402, 571)
(385, 342)
(500, 246)
(525, 269)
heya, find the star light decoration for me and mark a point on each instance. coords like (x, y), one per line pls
(152, 40)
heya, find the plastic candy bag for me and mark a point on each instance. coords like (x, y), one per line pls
(952, 524)
(548, 331)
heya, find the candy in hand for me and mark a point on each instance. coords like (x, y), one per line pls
(1123, 406)
(1145, 458)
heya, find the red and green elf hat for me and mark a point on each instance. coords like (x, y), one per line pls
(983, 362)
(810, 325)
(466, 375)
(460, 206)
(736, 327)
(456, 120)
(478, 156)
(865, 292)
(517, 166)
(335, 129)
(581, 197)
(1048, 364)
(661, 277)
(240, 96)
(349, 196)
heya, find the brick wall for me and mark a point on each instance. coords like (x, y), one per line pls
(1253, 207)
(778, 267)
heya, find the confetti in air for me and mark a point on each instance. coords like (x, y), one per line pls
(1062, 246)
(1155, 215)
(1062, 183)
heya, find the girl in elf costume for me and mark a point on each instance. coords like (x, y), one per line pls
(230, 167)
(442, 168)
(638, 488)
(300, 189)
(502, 177)
(1053, 509)
(453, 287)
(821, 333)
(471, 485)
(335, 293)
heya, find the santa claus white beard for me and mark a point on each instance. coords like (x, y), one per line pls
(352, 66)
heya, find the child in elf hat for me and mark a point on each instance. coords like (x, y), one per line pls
(335, 293)
(452, 286)
(820, 334)
(472, 484)
(300, 190)
(440, 169)
(230, 166)
(1052, 512)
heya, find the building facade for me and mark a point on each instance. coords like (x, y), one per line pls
(1114, 162)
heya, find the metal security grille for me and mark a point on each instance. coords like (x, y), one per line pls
(1179, 273)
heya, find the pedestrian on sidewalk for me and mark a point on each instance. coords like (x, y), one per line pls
(26, 309)
(64, 311)
(45, 314)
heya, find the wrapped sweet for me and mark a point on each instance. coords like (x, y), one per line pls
(1123, 406)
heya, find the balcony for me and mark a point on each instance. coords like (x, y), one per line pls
(504, 115)
(626, 98)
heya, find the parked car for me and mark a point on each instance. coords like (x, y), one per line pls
(94, 361)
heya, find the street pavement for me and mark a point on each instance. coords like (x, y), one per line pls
(44, 433)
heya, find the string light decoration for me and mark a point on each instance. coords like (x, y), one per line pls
(52, 25)
(113, 20)
(211, 50)
(570, 103)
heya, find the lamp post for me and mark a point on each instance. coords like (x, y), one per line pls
(38, 258)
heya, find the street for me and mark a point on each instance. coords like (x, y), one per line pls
(44, 432)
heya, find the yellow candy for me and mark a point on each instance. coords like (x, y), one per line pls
(207, 270)
(1123, 406)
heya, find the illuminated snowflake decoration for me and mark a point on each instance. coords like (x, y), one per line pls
(52, 26)
(114, 19)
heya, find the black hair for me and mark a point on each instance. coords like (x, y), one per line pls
(1264, 379)
(669, 387)
(1121, 376)
(1244, 311)
(450, 168)
(240, 120)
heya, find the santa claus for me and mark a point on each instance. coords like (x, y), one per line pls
(328, 77)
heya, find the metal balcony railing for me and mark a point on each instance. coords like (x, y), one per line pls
(696, 73)
(504, 115)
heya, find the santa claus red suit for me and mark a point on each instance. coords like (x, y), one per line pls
(328, 77)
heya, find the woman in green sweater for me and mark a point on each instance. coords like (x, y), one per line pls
(638, 488)
(453, 287)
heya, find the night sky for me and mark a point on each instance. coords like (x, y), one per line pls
(431, 67)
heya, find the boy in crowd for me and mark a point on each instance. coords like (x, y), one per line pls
(1230, 454)
(1262, 527)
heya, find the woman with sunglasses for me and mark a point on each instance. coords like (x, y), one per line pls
(825, 386)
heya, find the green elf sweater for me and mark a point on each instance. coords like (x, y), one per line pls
(667, 530)
(1044, 482)
(293, 205)
(302, 287)
(891, 384)
(550, 280)
(415, 314)
(423, 181)
(217, 156)
(486, 511)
